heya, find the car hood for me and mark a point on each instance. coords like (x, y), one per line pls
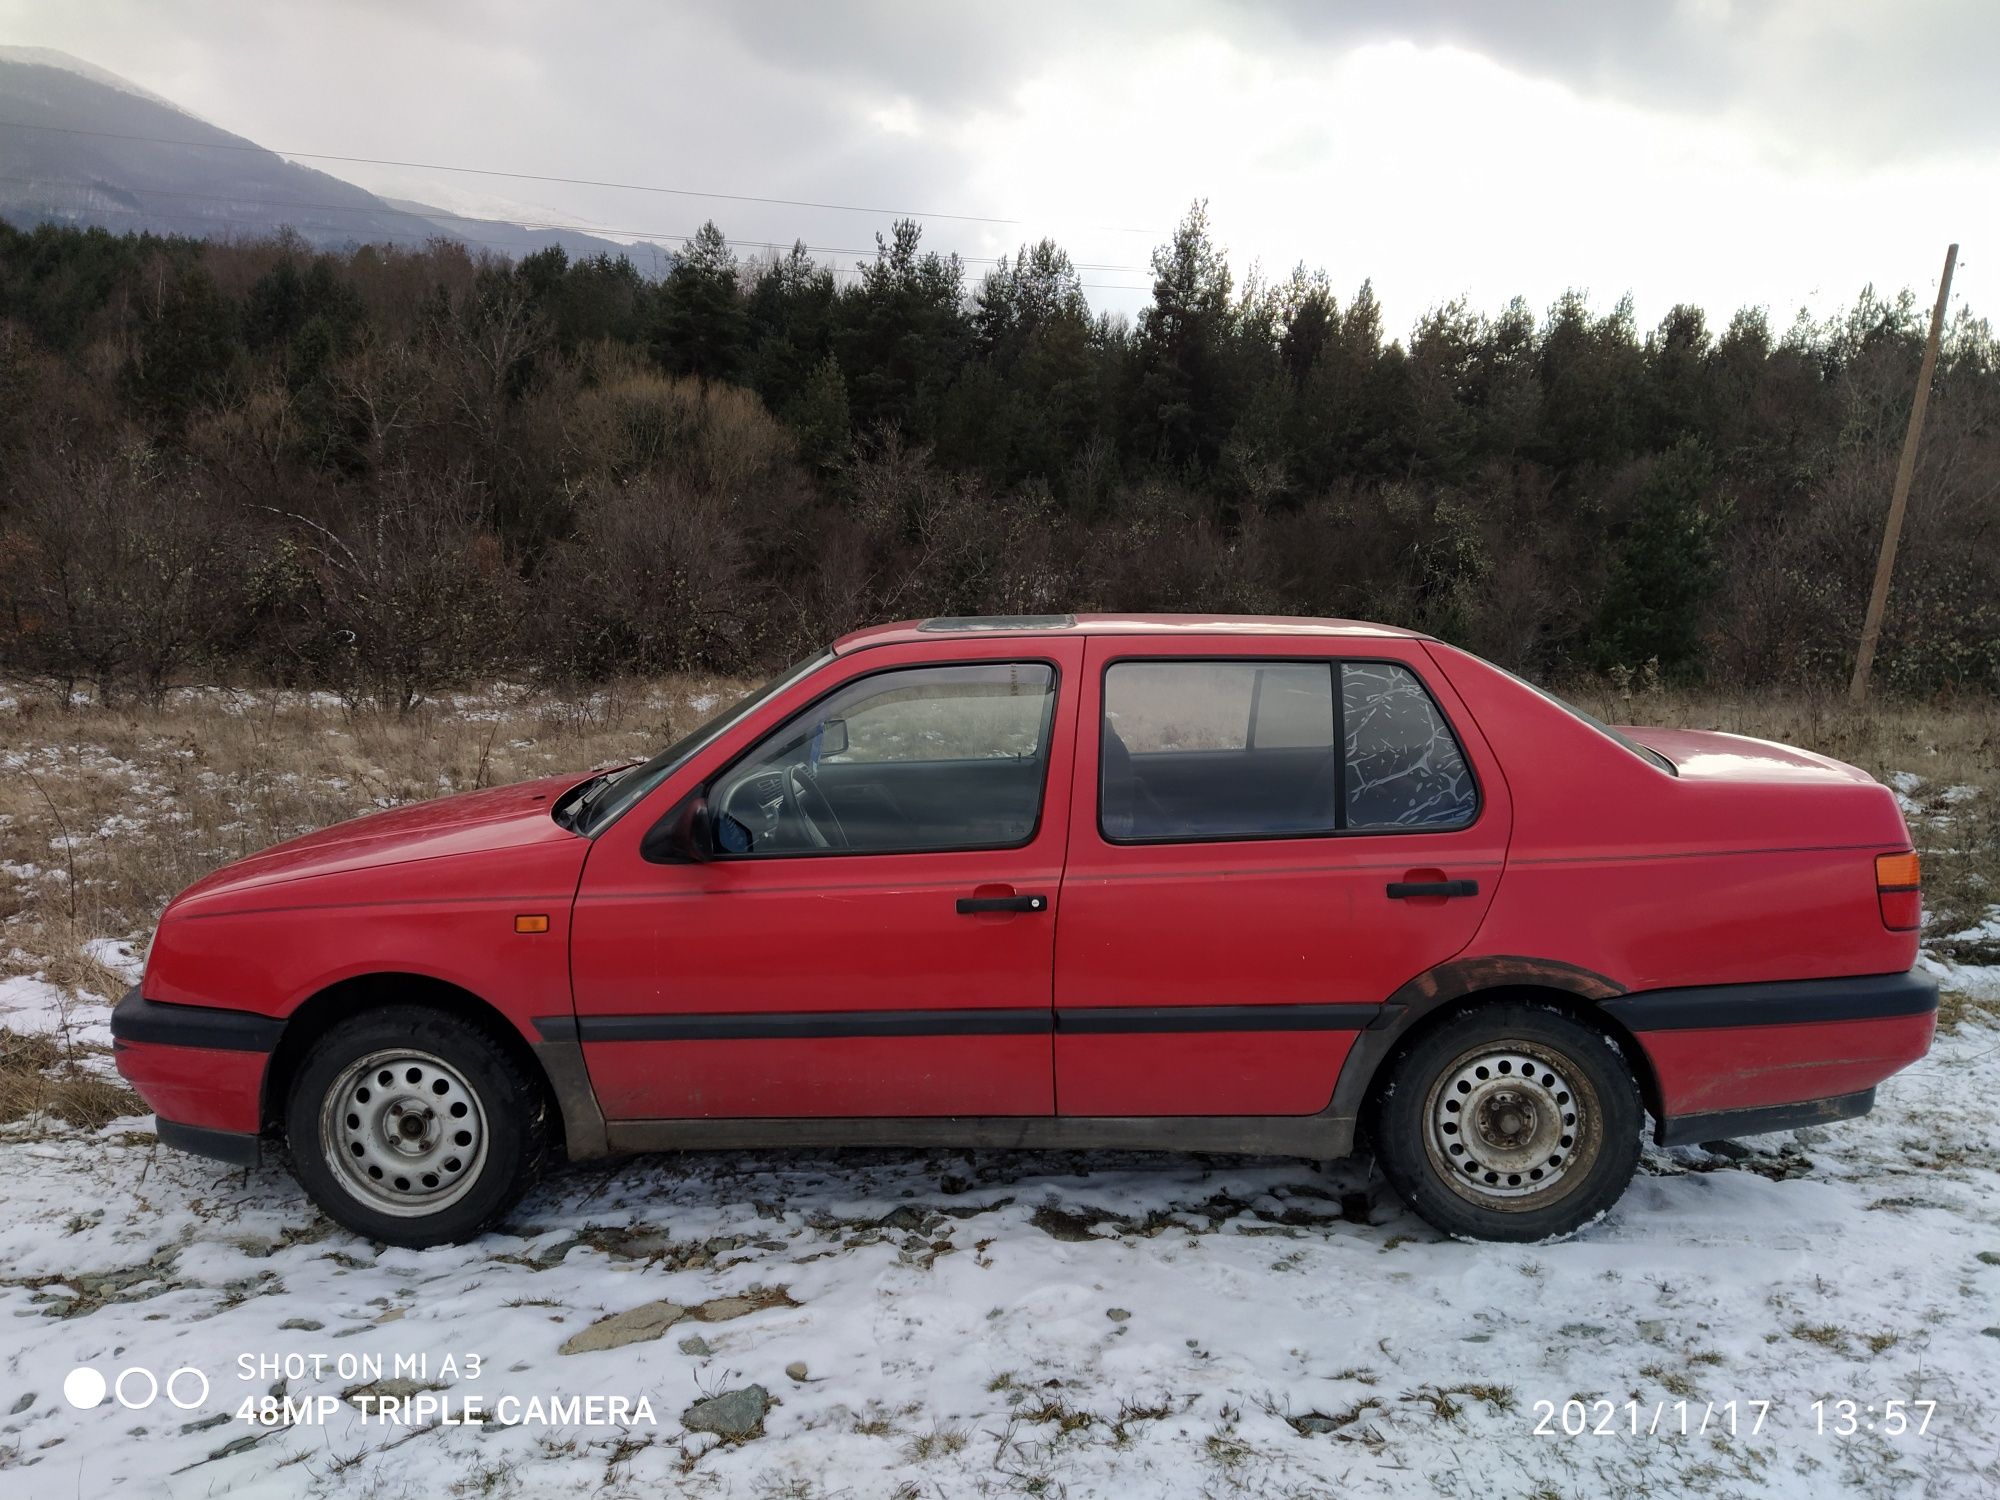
(503, 817)
(1707, 755)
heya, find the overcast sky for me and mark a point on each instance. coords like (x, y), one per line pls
(1705, 150)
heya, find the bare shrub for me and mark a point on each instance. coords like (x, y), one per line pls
(412, 592)
(943, 544)
(653, 580)
(118, 569)
(714, 438)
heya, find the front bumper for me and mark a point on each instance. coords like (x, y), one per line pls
(202, 1070)
(1747, 1059)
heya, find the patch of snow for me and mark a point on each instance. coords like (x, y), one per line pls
(1987, 930)
(32, 1006)
(50, 57)
(125, 959)
(1979, 981)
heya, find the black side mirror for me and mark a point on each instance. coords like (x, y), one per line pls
(685, 836)
(833, 738)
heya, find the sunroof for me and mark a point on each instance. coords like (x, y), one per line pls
(999, 622)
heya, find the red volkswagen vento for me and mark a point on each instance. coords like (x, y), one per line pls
(1211, 884)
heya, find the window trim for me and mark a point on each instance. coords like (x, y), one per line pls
(1041, 795)
(1333, 663)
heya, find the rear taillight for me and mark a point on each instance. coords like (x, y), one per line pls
(1896, 881)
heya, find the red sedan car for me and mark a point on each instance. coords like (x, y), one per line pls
(1202, 884)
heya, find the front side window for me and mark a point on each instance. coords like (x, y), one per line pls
(593, 809)
(918, 758)
(1194, 750)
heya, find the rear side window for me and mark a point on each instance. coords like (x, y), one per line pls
(1404, 766)
(1195, 750)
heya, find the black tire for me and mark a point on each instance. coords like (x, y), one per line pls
(411, 1096)
(1510, 1121)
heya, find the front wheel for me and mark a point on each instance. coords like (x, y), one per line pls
(414, 1127)
(1509, 1122)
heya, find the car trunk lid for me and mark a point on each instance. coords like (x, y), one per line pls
(1709, 755)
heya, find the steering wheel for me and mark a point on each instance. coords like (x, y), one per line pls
(815, 812)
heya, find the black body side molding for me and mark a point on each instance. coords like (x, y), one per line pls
(1029, 1021)
(1796, 1002)
(137, 1019)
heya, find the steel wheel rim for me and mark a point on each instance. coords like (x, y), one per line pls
(1512, 1125)
(403, 1132)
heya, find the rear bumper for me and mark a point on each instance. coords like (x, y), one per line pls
(201, 1068)
(1728, 1124)
(1744, 1059)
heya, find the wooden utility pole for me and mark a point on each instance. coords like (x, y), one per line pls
(1899, 498)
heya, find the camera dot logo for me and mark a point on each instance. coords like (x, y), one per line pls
(83, 1387)
(136, 1388)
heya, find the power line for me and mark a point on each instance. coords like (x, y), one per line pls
(651, 235)
(630, 187)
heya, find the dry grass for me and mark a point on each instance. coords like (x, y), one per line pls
(38, 1076)
(115, 810)
(105, 814)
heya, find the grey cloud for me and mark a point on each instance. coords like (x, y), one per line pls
(1855, 80)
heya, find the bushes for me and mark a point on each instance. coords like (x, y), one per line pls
(653, 580)
(633, 423)
(118, 571)
(410, 591)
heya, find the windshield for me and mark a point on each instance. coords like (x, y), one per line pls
(629, 787)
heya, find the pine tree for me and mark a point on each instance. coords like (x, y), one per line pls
(1182, 406)
(701, 328)
(1667, 567)
(820, 419)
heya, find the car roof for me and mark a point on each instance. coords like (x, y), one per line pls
(972, 626)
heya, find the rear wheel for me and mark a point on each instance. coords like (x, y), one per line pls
(1509, 1122)
(414, 1127)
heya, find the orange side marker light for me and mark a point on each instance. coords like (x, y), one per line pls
(536, 923)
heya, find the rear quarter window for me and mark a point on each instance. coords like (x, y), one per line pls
(1404, 766)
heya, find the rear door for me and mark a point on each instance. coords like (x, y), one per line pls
(1263, 835)
(875, 935)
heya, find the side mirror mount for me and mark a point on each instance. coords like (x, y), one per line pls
(685, 836)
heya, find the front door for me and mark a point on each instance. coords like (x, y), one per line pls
(875, 934)
(1261, 848)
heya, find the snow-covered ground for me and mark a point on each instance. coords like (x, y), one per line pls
(950, 1323)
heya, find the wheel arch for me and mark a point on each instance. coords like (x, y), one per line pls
(1454, 988)
(559, 1074)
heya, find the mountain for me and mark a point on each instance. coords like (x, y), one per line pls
(80, 145)
(517, 240)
